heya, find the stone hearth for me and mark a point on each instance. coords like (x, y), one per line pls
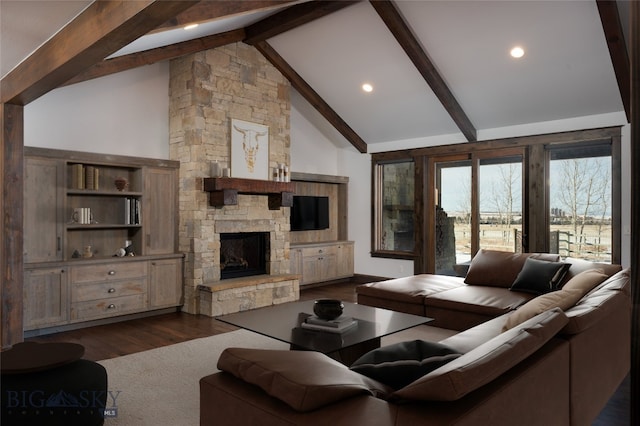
(207, 90)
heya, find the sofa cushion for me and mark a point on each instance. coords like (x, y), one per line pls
(473, 337)
(412, 289)
(581, 265)
(486, 362)
(599, 303)
(539, 276)
(500, 268)
(490, 301)
(399, 364)
(573, 291)
(304, 380)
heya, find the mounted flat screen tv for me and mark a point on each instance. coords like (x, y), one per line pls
(309, 213)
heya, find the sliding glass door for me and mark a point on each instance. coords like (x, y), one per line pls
(453, 213)
(478, 204)
(500, 203)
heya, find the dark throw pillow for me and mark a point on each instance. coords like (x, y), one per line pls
(402, 363)
(539, 276)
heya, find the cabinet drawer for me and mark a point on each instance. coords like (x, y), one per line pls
(93, 291)
(108, 307)
(319, 251)
(108, 272)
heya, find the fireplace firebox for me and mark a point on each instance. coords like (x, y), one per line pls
(243, 254)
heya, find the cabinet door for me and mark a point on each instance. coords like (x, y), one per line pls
(165, 284)
(344, 267)
(159, 211)
(45, 298)
(43, 185)
(318, 268)
(295, 257)
(311, 269)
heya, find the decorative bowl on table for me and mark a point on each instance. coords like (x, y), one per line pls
(328, 309)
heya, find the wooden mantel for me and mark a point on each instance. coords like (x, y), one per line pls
(224, 191)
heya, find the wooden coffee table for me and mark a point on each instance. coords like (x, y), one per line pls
(282, 322)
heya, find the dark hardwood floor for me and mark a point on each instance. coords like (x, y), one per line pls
(122, 338)
(113, 340)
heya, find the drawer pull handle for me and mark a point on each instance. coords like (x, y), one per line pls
(111, 306)
(111, 272)
(320, 251)
(111, 290)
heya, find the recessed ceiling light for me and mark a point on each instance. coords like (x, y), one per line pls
(517, 52)
(367, 87)
(190, 26)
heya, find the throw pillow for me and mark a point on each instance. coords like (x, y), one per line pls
(581, 265)
(570, 294)
(402, 363)
(539, 276)
(586, 280)
(304, 380)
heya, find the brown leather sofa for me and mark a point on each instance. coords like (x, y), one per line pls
(459, 303)
(554, 368)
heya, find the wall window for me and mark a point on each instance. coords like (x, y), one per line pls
(557, 193)
(394, 186)
(580, 202)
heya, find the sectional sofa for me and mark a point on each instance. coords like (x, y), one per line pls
(553, 358)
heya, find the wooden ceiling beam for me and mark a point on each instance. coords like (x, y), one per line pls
(291, 18)
(405, 37)
(209, 10)
(311, 96)
(610, 18)
(101, 29)
(148, 57)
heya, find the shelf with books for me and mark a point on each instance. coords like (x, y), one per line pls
(103, 177)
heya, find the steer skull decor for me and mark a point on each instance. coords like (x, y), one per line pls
(249, 150)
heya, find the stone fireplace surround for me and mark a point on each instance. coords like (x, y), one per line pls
(207, 90)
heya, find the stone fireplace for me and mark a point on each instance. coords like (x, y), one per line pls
(207, 90)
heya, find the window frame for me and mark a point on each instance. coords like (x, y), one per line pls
(377, 207)
(535, 227)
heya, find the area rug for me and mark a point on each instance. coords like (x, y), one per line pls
(161, 386)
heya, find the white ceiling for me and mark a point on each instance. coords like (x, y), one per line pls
(565, 73)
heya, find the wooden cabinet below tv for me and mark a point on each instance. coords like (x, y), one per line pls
(320, 262)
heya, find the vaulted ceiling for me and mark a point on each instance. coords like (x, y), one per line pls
(438, 68)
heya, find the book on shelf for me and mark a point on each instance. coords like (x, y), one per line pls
(338, 325)
(88, 177)
(84, 177)
(77, 176)
(130, 208)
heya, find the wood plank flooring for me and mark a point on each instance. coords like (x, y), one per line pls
(113, 340)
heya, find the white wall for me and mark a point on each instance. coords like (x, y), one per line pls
(127, 114)
(311, 151)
